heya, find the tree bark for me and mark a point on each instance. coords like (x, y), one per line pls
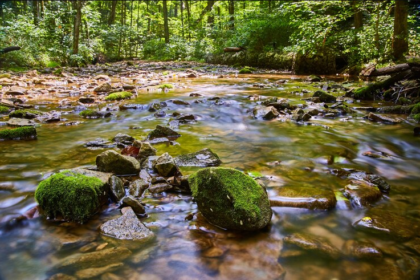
(165, 21)
(400, 40)
(210, 4)
(358, 16)
(182, 19)
(111, 19)
(35, 11)
(232, 14)
(77, 5)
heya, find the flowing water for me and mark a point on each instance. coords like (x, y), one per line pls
(194, 249)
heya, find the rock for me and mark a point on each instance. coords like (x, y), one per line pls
(127, 227)
(99, 143)
(165, 166)
(138, 187)
(105, 87)
(297, 115)
(162, 131)
(311, 244)
(52, 116)
(230, 199)
(377, 180)
(111, 161)
(123, 138)
(160, 188)
(145, 150)
(416, 131)
(117, 190)
(16, 91)
(153, 107)
(25, 114)
(361, 250)
(90, 273)
(160, 114)
(117, 96)
(202, 158)
(361, 193)
(385, 223)
(128, 87)
(87, 100)
(20, 133)
(303, 197)
(102, 77)
(132, 202)
(186, 118)
(266, 113)
(94, 259)
(91, 114)
(20, 122)
(180, 102)
(313, 78)
(324, 97)
(384, 119)
(72, 196)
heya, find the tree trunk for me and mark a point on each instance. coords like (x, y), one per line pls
(188, 18)
(358, 16)
(165, 21)
(77, 21)
(182, 19)
(111, 19)
(232, 14)
(400, 40)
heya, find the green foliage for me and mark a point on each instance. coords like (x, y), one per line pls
(25, 114)
(88, 113)
(26, 132)
(69, 195)
(4, 109)
(119, 96)
(247, 70)
(168, 86)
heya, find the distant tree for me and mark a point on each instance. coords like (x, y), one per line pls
(77, 5)
(165, 21)
(400, 40)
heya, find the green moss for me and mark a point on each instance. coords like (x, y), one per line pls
(229, 198)
(404, 101)
(416, 117)
(26, 132)
(119, 96)
(25, 114)
(364, 93)
(324, 97)
(168, 86)
(5, 75)
(165, 73)
(247, 70)
(58, 71)
(4, 109)
(416, 109)
(69, 195)
(53, 64)
(88, 113)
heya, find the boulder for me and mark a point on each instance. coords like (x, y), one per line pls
(111, 161)
(165, 166)
(309, 197)
(160, 188)
(265, 113)
(202, 158)
(361, 193)
(132, 202)
(230, 199)
(145, 150)
(384, 119)
(116, 186)
(123, 138)
(105, 87)
(20, 133)
(306, 243)
(299, 115)
(137, 187)
(72, 196)
(127, 227)
(20, 122)
(163, 132)
(86, 100)
(324, 97)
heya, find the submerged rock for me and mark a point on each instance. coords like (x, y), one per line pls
(202, 158)
(111, 161)
(324, 97)
(389, 224)
(20, 122)
(127, 227)
(304, 197)
(99, 143)
(310, 244)
(163, 132)
(230, 199)
(362, 193)
(72, 196)
(266, 113)
(361, 250)
(384, 119)
(90, 273)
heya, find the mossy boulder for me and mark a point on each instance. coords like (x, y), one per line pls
(119, 96)
(4, 109)
(247, 70)
(230, 199)
(71, 196)
(324, 97)
(111, 161)
(20, 133)
(163, 131)
(92, 114)
(314, 78)
(168, 86)
(25, 114)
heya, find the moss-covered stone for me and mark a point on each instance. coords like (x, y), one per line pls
(5, 75)
(247, 70)
(163, 131)
(367, 92)
(71, 196)
(119, 96)
(168, 86)
(25, 114)
(324, 97)
(20, 133)
(4, 110)
(92, 114)
(230, 199)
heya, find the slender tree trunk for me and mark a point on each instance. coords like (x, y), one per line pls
(358, 16)
(182, 19)
(111, 19)
(165, 21)
(188, 18)
(232, 14)
(42, 9)
(77, 5)
(1, 12)
(210, 19)
(35, 11)
(400, 40)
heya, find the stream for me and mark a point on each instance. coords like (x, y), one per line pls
(279, 152)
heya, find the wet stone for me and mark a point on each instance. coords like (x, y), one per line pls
(202, 158)
(361, 193)
(132, 202)
(127, 227)
(117, 190)
(99, 143)
(111, 161)
(159, 188)
(105, 87)
(265, 113)
(20, 122)
(165, 166)
(137, 187)
(361, 250)
(123, 138)
(303, 197)
(163, 132)
(383, 119)
(311, 244)
(90, 273)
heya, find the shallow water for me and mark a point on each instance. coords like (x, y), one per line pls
(305, 153)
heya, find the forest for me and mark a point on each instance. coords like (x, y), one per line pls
(209, 140)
